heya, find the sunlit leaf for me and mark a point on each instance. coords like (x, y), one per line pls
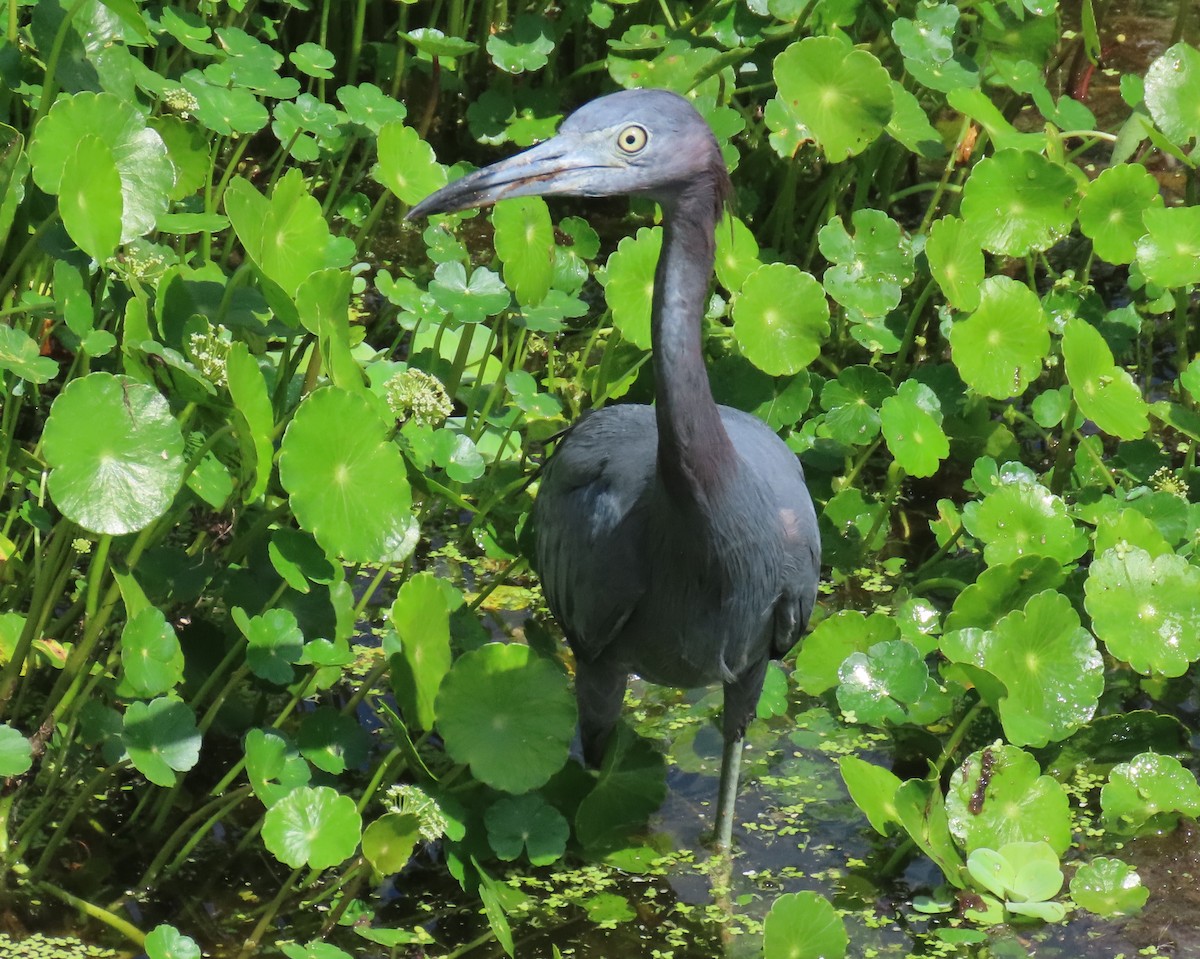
(19, 355)
(389, 841)
(911, 424)
(1146, 610)
(1148, 786)
(804, 925)
(407, 165)
(151, 657)
(312, 826)
(89, 198)
(1173, 92)
(16, 754)
(422, 621)
(525, 244)
(873, 790)
(630, 284)
(162, 739)
(115, 452)
(836, 637)
(1106, 394)
(1109, 888)
(347, 481)
(1111, 210)
(1017, 202)
(780, 319)
(956, 262)
(1169, 253)
(869, 268)
(999, 349)
(1023, 519)
(842, 94)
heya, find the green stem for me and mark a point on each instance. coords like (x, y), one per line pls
(91, 910)
(1058, 477)
(250, 946)
(213, 812)
(955, 740)
(82, 798)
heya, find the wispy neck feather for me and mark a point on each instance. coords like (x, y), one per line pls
(694, 451)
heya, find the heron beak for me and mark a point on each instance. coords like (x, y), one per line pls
(561, 165)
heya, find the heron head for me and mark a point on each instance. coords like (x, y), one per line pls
(647, 142)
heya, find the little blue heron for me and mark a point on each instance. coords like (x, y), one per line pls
(677, 542)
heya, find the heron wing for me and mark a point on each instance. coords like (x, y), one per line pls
(590, 524)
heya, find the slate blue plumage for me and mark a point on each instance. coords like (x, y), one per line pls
(678, 541)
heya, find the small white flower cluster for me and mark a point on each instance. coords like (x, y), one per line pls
(417, 395)
(180, 101)
(407, 799)
(210, 350)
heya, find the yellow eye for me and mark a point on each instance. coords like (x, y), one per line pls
(633, 139)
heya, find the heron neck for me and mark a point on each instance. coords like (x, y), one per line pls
(694, 451)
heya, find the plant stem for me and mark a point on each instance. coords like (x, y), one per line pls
(91, 910)
(250, 946)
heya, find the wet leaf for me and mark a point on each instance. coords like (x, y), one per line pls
(161, 738)
(869, 268)
(1023, 519)
(911, 424)
(836, 637)
(1147, 786)
(1146, 610)
(841, 94)
(518, 824)
(1048, 663)
(508, 714)
(115, 452)
(312, 826)
(1109, 888)
(1001, 589)
(1017, 202)
(804, 925)
(1111, 210)
(1173, 92)
(998, 795)
(347, 481)
(780, 319)
(1169, 253)
(999, 349)
(878, 685)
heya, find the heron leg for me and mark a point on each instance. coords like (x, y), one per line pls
(731, 766)
(599, 692)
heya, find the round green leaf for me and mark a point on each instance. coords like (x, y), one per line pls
(1109, 888)
(275, 643)
(421, 616)
(629, 286)
(115, 453)
(804, 925)
(519, 823)
(1110, 213)
(911, 424)
(1147, 786)
(162, 739)
(877, 685)
(1106, 394)
(332, 741)
(527, 46)
(852, 402)
(312, 826)
(1012, 802)
(869, 268)
(524, 242)
(956, 262)
(737, 253)
(407, 165)
(16, 754)
(389, 841)
(780, 319)
(346, 480)
(1047, 661)
(1146, 610)
(836, 637)
(1017, 202)
(167, 942)
(89, 198)
(507, 713)
(1173, 92)
(137, 152)
(274, 765)
(19, 354)
(151, 656)
(999, 349)
(1002, 588)
(1023, 519)
(1169, 253)
(841, 94)
(473, 300)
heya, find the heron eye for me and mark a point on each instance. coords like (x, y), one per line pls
(633, 139)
